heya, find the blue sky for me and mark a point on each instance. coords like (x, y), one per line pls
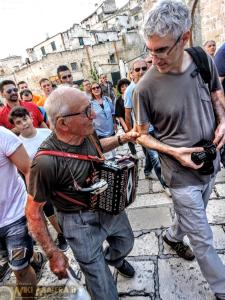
(25, 23)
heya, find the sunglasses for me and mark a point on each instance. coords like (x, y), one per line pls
(87, 112)
(139, 69)
(66, 76)
(95, 88)
(9, 91)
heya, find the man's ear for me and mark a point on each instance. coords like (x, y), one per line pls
(185, 38)
(62, 124)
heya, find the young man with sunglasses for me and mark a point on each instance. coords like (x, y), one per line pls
(184, 112)
(64, 75)
(9, 92)
(61, 179)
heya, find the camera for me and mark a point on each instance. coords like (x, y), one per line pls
(207, 157)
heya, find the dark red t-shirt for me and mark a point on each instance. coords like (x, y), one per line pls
(31, 107)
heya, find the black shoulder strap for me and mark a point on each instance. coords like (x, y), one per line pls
(200, 58)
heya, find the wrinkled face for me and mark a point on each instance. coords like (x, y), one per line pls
(210, 48)
(24, 125)
(165, 51)
(10, 92)
(139, 69)
(23, 86)
(87, 86)
(27, 96)
(46, 87)
(66, 77)
(80, 117)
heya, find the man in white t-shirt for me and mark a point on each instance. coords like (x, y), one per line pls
(32, 138)
(16, 247)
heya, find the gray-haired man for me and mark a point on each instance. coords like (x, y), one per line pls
(183, 110)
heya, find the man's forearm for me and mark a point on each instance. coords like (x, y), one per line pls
(109, 143)
(218, 103)
(37, 226)
(128, 119)
(149, 141)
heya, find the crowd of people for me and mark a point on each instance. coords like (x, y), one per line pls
(165, 105)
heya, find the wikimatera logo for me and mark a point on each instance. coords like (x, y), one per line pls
(13, 292)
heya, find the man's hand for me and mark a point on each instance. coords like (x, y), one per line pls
(131, 136)
(219, 139)
(58, 263)
(183, 155)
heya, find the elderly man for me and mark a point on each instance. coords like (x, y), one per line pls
(58, 178)
(184, 111)
(210, 47)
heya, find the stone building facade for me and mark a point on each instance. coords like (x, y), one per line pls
(110, 36)
(99, 58)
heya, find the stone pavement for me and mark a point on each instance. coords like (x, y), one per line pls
(160, 273)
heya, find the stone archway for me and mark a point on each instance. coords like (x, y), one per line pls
(192, 4)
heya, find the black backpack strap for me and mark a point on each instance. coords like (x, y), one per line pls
(200, 58)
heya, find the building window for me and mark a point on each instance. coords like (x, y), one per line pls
(81, 41)
(43, 50)
(112, 59)
(53, 46)
(74, 66)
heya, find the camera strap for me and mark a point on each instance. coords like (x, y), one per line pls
(70, 155)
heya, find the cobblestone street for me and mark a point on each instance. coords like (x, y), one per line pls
(160, 273)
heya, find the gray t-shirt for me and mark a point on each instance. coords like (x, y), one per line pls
(180, 109)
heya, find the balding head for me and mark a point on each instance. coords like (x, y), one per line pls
(61, 100)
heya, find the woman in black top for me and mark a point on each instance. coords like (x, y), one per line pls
(120, 109)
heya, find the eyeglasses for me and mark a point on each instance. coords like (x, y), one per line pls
(139, 69)
(9, 91)
(164, 51)
(66, 76)
(87, 112)
(95, 88)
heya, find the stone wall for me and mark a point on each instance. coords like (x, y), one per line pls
(209, 21)
(98, 56)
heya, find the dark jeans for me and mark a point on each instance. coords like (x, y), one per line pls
(152, 162)
(85, 232)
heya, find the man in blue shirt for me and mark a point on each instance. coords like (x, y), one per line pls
(220, 64)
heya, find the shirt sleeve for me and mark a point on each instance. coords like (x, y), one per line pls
(42, 178)
(220, 61)
(128, 99)
(215, 83)
(141, 104)
(9, 142)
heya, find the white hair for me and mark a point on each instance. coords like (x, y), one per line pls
(59, 103)
(167, 17)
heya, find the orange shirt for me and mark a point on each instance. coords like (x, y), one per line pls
(41, 100)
